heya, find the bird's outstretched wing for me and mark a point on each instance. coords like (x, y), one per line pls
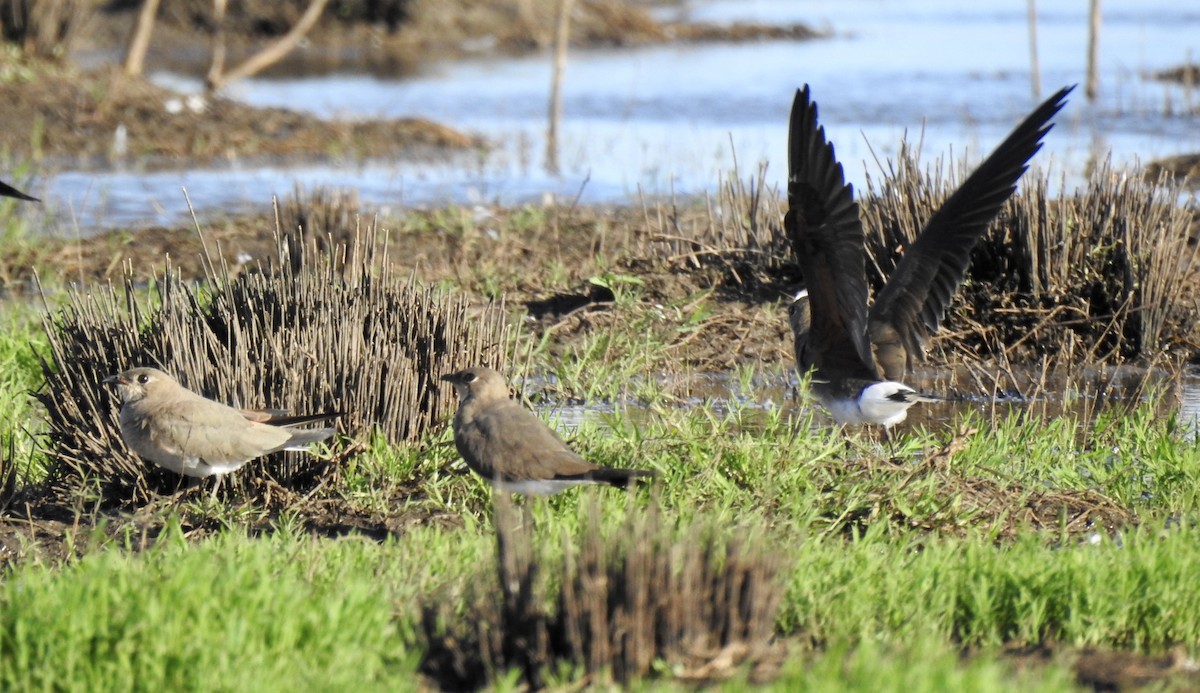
(826, 234)
(912, 304)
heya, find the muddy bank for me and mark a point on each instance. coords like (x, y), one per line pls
(64, 116)
(38, 528)
(561, 267)
(712, 281)
(1184, 168)
(1187, 75)
(398, 38)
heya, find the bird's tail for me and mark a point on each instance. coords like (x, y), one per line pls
(302, 438)
(620, 477)
(304, 418)
(915, 396)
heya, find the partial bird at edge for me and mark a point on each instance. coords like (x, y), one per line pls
(7, 190)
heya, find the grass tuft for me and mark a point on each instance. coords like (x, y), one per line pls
(696, 604)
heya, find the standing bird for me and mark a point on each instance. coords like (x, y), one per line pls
(185, 433)
(844, 343)
(7, 190)
(511, 448)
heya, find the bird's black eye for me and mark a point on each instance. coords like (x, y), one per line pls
(470, 378)
(143, 378)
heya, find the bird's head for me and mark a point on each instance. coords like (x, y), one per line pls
(478, 383)
(136, 383)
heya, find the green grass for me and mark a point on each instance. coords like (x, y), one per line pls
(1128, 593)
(287, 610)
(281, 613)
(893, 570)
(21, 340)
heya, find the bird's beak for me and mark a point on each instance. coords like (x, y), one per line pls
(113, 379)
(450, 378)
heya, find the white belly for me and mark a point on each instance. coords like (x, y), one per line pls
(876, 404)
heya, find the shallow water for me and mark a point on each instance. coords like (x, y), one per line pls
(774, 394)
(662, 120)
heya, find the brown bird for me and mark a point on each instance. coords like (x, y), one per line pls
(845, 343)
(511, 448)
(185, 433)
(9, 191)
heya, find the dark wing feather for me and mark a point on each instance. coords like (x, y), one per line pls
(9, 191)
(618, 477)
(914, 301)
(517, 445)
(283, 417)
(826, 233)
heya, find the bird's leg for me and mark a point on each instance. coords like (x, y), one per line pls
(186, 486)
(894, 445)
(527, 515)
(510, 545)
(216, 485)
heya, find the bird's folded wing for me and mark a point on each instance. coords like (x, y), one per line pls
(520, 445)
(826, 233)
(213, 432)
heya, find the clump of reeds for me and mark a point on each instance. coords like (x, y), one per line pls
(46, 28)
(701, 606)
(334, 334)
(741, 238)
(316, 221)
(1101, 275)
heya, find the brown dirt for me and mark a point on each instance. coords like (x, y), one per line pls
(77, 114)
(1113, 670)
(1185, 167)
(362, 36)
(1186, 75)
(747, 325)
(36, 527)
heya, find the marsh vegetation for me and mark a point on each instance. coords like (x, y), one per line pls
(989, 552)
(1046, 548)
